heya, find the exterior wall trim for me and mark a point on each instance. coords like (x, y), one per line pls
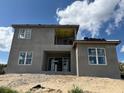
(77, 62)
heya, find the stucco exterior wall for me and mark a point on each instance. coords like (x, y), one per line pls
(42, 39)
(73, 61)
(111, 69)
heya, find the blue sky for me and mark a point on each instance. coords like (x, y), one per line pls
(94, 20)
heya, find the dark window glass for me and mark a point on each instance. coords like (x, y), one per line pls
(92, 60)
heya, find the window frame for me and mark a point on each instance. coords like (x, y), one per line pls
(26, 52)
(25, 33)
(96, 56)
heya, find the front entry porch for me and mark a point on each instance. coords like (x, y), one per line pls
(59, 64)
(57, 61)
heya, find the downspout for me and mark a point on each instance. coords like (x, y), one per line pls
(77, 63)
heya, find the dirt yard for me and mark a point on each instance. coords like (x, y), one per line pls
(24, 82)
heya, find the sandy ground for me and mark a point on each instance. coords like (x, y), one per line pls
(24, 82)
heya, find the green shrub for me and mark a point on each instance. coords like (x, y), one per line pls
(2, 66)
(121, 67)
(7, 90)
(76, 89)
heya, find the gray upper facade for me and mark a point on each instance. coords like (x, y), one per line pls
(54, 49)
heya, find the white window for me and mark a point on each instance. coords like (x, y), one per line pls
(97, 56)
(24, 34)
(25, 58)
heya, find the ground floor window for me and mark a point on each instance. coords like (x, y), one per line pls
(25, 57)
(97, 56)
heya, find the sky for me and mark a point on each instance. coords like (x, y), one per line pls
(96, 18)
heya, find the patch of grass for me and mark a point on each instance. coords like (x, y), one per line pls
(76, 89)
(28, 92)
(7, 90)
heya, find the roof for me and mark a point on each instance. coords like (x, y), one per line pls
(111, 42)
(45, 26)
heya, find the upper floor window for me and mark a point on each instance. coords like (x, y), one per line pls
(24, 34)
(97, 56)
(25, 58)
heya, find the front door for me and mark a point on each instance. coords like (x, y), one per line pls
(54, 65)
(65, 64)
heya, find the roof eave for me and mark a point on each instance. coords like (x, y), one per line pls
(112, 42)
(44, 25)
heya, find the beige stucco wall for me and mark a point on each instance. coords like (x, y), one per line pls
(110, 70)
(42, 40)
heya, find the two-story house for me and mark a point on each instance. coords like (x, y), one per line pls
(38, 48)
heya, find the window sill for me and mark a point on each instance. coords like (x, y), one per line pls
(98, 64)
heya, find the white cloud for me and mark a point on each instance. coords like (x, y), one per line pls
(109, 30)
(6, 34)
(122, 49)
(91, 16)
(119, 14)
